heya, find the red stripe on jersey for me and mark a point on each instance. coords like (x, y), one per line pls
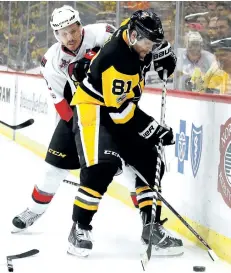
(134, 200)
(40, 197)
(64, 110)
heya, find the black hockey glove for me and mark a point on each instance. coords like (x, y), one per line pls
(81, 66)
(164, 58)
(156, 132)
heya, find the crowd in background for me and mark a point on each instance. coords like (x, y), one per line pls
(190, 26)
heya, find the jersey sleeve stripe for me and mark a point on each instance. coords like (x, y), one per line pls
(125, 115)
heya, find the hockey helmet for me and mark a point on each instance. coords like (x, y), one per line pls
(63, 17)
(224, 44)
(147, 25)
(193, 38)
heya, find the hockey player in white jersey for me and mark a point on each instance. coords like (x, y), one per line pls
(63, 66)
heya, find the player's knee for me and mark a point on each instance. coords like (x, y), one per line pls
(49, 178)
(98, 177)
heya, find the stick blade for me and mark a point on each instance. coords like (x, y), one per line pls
(24, 254)
(213, 255)
(145, 257)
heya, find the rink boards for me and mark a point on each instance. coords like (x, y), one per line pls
(198, 183)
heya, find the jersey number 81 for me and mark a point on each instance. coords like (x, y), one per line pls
(120, 87)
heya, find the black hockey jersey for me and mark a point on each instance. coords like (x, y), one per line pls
(115, 78)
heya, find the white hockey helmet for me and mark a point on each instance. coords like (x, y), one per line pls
(63, 17)
(193, 37)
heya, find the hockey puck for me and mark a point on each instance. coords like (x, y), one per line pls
(199, 268)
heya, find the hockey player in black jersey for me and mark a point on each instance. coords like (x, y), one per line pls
(109, 125)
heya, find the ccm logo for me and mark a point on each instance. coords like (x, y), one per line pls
(56, 153)
(107, 152)
(149, 132)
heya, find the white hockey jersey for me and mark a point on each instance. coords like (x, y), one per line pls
(185, 67)
(58, 62)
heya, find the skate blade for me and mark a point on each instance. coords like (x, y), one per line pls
(167, 252)
(14, 230)
(79, 252)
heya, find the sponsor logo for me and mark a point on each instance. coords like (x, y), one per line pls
(43, 62)
(110, 29)
(34, 103)
(107, 152)
(121, 98)
(64, 63)
(4, 94)
(56, 153)
(196, 148)
(181, 147)
(162, 53)
(148, 132)
(53, 95)
(224, 169)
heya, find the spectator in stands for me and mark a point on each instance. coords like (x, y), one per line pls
(192, 58)
(223, 9)
(203, 20)
(223, 27)
(212, 9)
(218, 78)
(212, 30)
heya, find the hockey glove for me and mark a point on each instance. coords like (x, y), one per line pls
(164, 58)
(157, 132)
(81, 66)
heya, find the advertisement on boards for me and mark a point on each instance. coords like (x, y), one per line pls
(7, 98)
(224, 169)
(182, 148)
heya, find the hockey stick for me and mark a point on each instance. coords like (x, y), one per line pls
(19, 126)
(19, 256)
(145, 257)
(71, 182)
(211, 253)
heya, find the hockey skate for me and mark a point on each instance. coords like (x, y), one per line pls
(25, 219)
(80, 242)
(164, 243)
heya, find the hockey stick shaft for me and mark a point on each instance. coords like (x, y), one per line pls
(147, 254)
(71, 182)
(19, 126)
(211, 252)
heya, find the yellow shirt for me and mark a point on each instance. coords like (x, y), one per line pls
(214, 81)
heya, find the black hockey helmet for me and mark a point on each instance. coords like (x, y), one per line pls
(221, 44)
(147, 24)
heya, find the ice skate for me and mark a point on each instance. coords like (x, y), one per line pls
(80, 242)
(164, 243)
(25, 219)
